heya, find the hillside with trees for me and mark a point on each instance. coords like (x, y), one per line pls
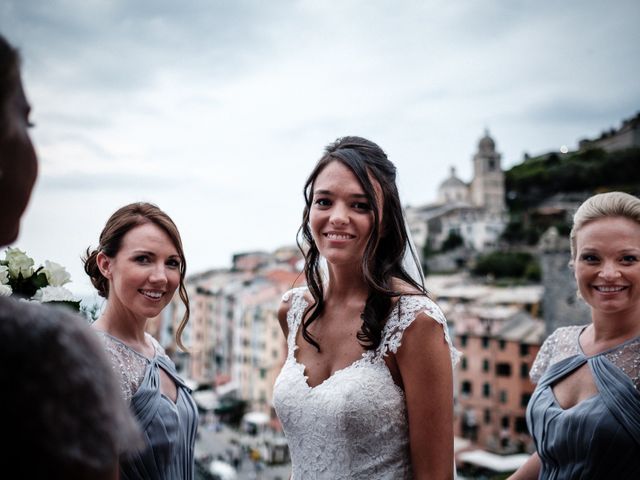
(590, 171)
(538, 188)
(572, 176)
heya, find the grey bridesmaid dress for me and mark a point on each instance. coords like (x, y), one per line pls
(169, 427)
(598, 438)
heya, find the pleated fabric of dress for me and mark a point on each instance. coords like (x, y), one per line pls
(598, 438)
(169, 427)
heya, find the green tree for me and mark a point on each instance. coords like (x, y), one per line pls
(454, 240)
(516, 265)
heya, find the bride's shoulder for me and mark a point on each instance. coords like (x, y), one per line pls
(415, 302)
(289, 298)
(405, 288)
(409, 294)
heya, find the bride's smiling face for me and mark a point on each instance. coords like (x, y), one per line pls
(341, 216)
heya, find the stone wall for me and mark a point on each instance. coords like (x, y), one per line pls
(560, 304)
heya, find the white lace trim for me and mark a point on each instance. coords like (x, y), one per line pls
(405, 311)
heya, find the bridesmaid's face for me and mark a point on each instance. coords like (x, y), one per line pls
(144, 274)
(607, 265)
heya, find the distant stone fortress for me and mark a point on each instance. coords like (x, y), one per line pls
(627, 136)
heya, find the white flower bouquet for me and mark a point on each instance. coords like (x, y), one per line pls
(20, 278)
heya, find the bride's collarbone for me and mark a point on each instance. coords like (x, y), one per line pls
(338, 317)
(338, 349)
(320, 366)
(335, 337)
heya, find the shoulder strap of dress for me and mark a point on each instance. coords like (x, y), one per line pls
(296, 310)
(404, 313)
(626, 357)
(156, 345)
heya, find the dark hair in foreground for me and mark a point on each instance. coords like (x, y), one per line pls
(385, 249)
(9, 78)
(119, 224)
(64, 417)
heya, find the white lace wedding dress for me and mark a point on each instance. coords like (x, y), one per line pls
(354, 424)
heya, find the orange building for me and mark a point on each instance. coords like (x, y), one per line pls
(493, 383)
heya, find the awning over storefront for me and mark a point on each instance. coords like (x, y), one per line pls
(497, 463)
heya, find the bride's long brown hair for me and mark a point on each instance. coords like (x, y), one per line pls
(385, 248)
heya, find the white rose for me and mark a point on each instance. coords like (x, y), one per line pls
(56, 274)
(54, 294)
(19, 263)
(4, 275)
(5, 291)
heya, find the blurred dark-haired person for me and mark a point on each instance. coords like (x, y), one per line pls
(62, 415)
(18, 162)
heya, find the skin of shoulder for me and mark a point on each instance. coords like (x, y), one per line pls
(404, 288)
(424, 362)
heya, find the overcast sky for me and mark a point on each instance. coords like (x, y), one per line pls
(217, 110)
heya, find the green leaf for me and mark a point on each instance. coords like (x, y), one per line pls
(23, 287)
(39, 280)
(75, 306)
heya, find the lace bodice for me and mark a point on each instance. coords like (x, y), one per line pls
(354, 424)
(129, 365)
(564, 343)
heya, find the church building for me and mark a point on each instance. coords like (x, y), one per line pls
(475, 211)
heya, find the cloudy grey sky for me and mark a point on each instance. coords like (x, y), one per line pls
(216, 110)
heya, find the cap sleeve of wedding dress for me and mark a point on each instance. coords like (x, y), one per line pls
(408, 309)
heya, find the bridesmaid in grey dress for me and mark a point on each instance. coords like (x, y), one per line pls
(584, 415)
(137, 267)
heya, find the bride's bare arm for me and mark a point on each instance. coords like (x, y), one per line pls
(424, 362)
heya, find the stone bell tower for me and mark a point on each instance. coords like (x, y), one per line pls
(487, 186)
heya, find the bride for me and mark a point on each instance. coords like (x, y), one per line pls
(366, 390)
